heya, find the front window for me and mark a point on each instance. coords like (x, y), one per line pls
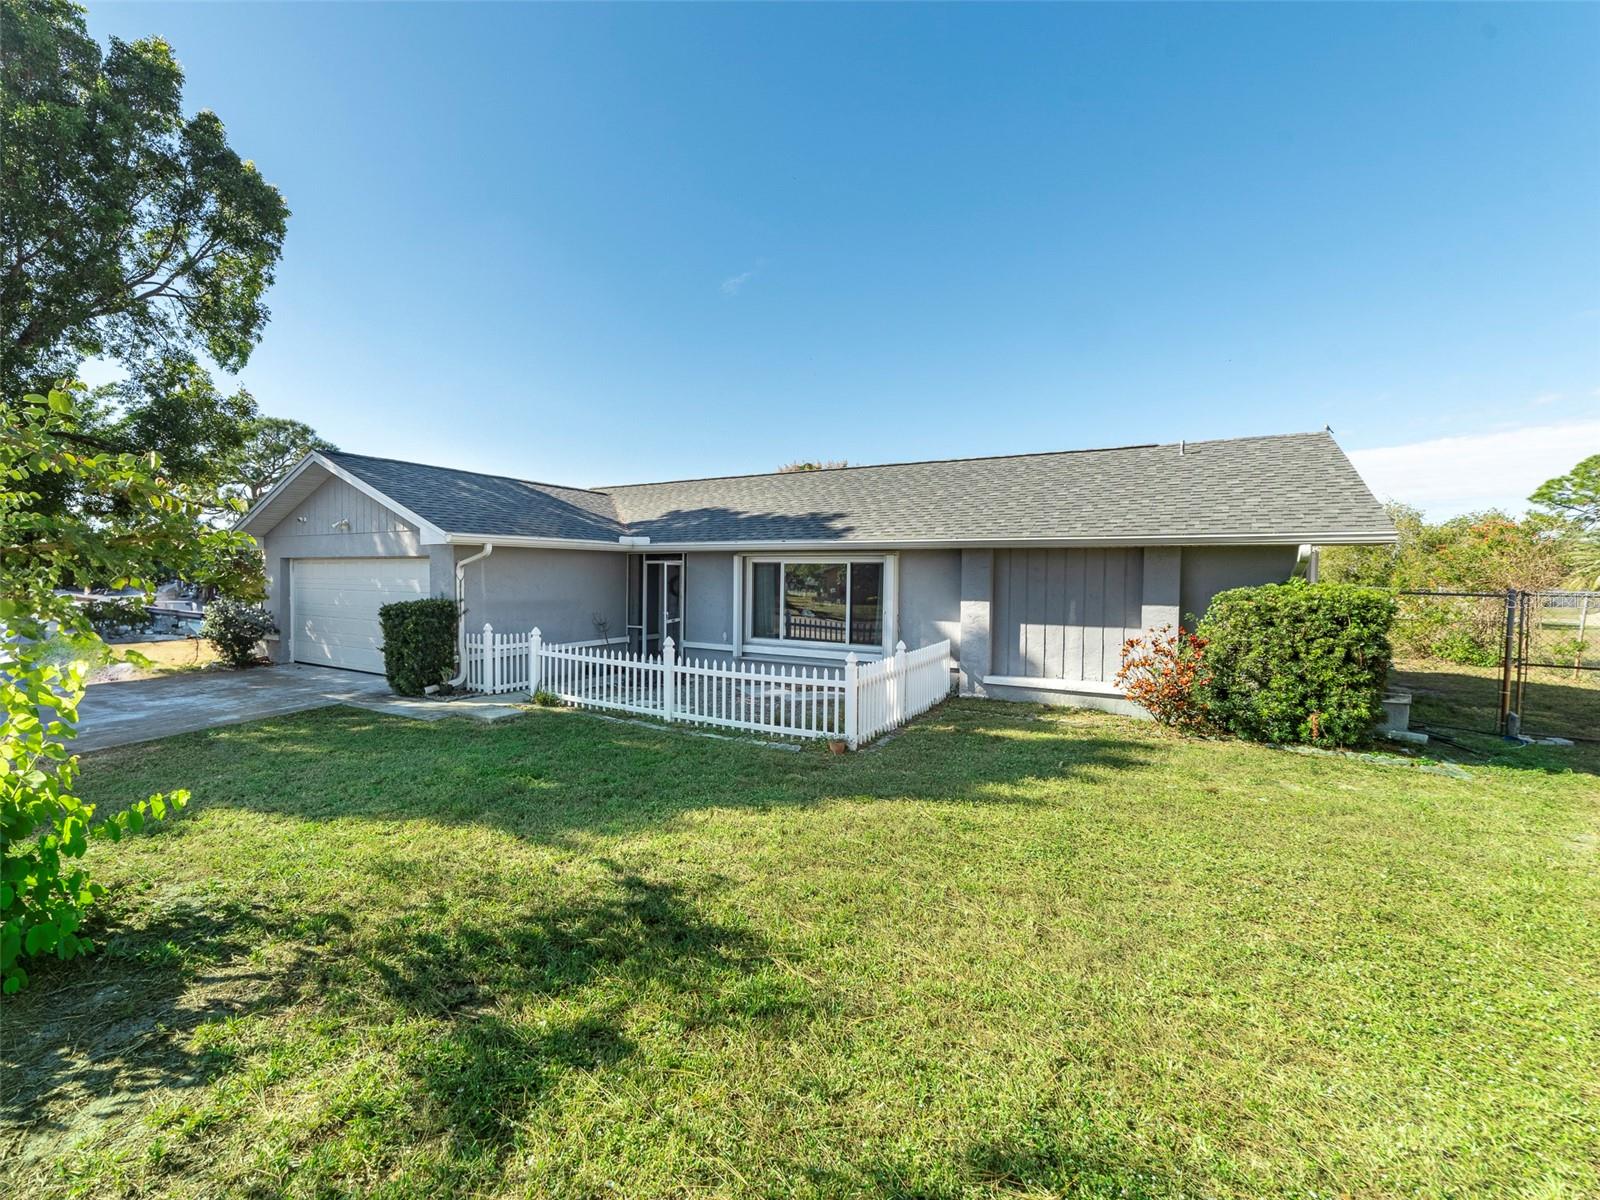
(826, 603)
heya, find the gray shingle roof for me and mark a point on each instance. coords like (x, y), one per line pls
(1298, 485)
(467, 502)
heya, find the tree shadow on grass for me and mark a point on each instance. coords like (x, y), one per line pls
(559, 779)
(565, 777)
(497, 1008)
(495, 1050)
(1046, 1161)
(1463, 704)
(89, 1040)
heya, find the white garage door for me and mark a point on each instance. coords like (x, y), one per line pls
(334, 605)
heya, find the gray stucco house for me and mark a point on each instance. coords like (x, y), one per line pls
(1035, 566)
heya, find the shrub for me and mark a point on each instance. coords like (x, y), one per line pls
(46, 885)
(419, 643)
(236, 629)
(1458, 629)
(1165, 674)
(44, 826)
(1298, 662)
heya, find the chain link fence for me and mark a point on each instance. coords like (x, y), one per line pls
(1484, 662)
(1557, 687)
(1451, 651)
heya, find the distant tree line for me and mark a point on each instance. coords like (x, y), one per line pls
(1557, 544)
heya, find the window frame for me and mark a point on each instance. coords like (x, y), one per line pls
(888, 604)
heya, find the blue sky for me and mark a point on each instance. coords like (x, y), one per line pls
(608, 244)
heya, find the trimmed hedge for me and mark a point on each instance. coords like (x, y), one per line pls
(1297, 661)
(419, 643)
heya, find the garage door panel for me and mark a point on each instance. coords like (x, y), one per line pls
(334, 606)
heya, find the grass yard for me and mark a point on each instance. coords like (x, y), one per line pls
(1011, 952)
(161, 657)
(189, 654)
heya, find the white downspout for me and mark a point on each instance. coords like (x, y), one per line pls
(461, 610)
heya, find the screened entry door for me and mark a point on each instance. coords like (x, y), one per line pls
(658, 605)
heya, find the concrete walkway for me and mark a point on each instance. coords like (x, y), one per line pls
(137, 710)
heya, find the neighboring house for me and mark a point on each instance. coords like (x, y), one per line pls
(1035, 566)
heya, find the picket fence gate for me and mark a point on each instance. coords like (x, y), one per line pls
(498, 662)
(854, 703)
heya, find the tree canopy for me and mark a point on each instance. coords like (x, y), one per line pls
(1575, 495)
(131, 231)
(173, 408)
(270, 447)
(1572, 502)
(127, 229)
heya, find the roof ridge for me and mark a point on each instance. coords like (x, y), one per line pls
(608, 488)
(406, 462)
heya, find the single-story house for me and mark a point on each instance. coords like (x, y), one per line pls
(1035, 566)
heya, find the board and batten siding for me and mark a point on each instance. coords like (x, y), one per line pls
(335, 502)
(1064, 614)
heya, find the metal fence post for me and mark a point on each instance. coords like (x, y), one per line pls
(1506, 657)
(535, 644)
(852, 705)
(669, 655)
(491, 665)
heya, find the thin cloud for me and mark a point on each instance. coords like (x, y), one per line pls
(1452, 475)
(734, 284)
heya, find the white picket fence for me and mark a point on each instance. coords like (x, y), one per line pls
(893, 690)
(506, 665)
(855, 702)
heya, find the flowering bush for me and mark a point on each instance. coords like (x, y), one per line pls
(1164, 672)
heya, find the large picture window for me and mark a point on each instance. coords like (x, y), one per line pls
(821, 603)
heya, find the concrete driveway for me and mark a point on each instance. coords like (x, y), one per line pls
(136, 710)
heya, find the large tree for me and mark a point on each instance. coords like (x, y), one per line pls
(271, 446)
(127, 229)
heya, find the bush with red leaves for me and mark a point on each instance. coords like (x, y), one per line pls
(1164, 672)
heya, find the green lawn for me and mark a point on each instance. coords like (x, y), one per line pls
(1011, 951)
